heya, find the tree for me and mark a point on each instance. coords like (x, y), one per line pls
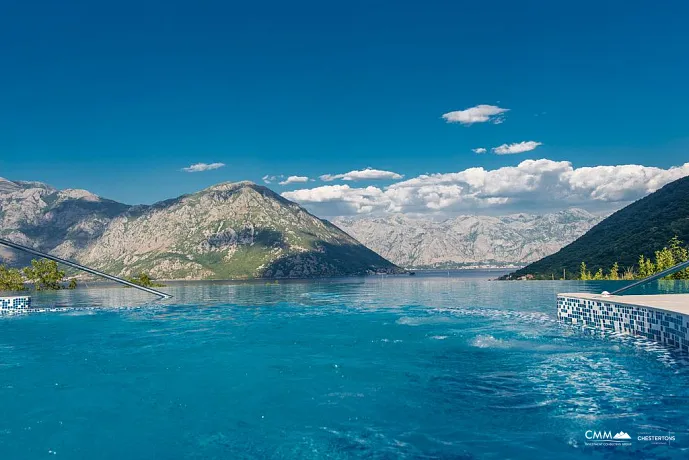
(599, 275)
(72, 284)
(680, 254)
(143, 279)
(614, 272)
(584, 274)
(44, 274)
(646, 267)
(11, 279)
(664, 259)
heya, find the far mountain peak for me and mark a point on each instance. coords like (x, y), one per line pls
(468, 240)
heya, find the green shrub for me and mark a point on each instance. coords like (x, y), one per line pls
(11, 279)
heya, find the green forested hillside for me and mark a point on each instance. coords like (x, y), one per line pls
(641, 228)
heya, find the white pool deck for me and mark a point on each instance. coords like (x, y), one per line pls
(676, 303)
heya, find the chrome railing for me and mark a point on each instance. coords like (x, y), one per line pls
(82, 267)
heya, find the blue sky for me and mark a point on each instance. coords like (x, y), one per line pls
(117, 98)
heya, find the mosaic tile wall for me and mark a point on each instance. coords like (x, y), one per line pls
(14, 304)
(661, 326)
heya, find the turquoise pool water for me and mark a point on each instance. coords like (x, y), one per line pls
(383, 368)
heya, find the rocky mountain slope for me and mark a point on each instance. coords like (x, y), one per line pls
(641, 228)
(469, 240)
(64, 222)
(232, 230)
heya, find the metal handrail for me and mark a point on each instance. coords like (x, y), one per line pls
(82, 267)
(648, 279)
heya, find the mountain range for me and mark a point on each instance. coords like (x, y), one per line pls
(228, 231)
(467, 241)
(643, 227)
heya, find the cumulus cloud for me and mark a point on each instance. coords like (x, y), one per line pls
(533, 184)
(200, 167)
(479, 114)
(294, 180)
(479, 150)
(363, 174)
(269, 179)
(517, 147)
(331, 200)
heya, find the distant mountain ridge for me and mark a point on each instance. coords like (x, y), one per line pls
(469, 240)
(61, 221)
(641, 228)
(228, 231)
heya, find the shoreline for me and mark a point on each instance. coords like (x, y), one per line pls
(98, 283)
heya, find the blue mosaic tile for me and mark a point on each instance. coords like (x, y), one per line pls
(15, 304)
(666, 327)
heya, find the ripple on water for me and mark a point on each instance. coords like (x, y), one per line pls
(588, 386)
(488, 341)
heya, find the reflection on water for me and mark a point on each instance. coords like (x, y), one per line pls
(662, 287)
(430, 366)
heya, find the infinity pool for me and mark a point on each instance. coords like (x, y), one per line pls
(384, 368)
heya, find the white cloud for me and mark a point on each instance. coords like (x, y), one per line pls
(533, 185)
(339, 199)
(200, 167)
(364, 174)
(294, 180)
(479, 114)
(269, 179)
(479, 150)
(517, 147)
